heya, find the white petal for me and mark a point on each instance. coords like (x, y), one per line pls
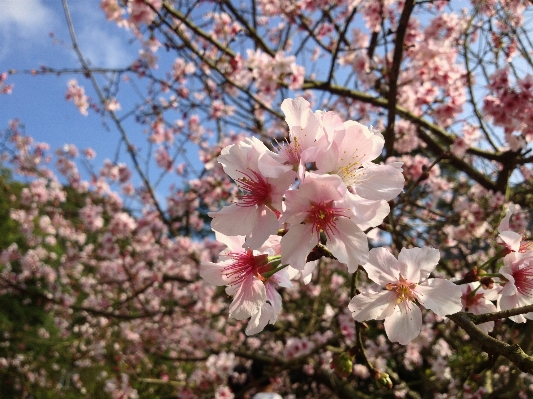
(259, 320)
(509, 288)
(382, 266)
(486, 327)
(234, 220)
(265, 225)
(504, 224)
(283, 278)
(296, 111)
(441, 296)
(379, 182)
(274, 298)
(366, 213)
(238, 158)
(349, 244)
(212, 273)
(372, 306)
(511, 302)
(249, 298)
(302, 122)
(417, 263)
(234, 243)
(296, 245)
(404, 324)
(511, 239)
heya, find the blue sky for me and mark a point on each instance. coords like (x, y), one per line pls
(39, 101)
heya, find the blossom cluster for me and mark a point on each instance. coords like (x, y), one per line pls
(320, 191)
(319, 187)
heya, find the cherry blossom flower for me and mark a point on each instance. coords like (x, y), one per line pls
(256, 213)
(303, 133)
(476, 300)
(76, 93)
(240, 270)
(120, 388)
(518, 290)
(350, 154)
(512, 240)
(318, 206)
(406, 286)
(112, 10)
(369, 186)
(224, 392)
(142, 12)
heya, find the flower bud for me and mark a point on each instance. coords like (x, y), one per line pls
(342, 364)
(383, 380)
(472, 275)
(487, 283)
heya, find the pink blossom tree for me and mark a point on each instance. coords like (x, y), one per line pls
(367, 169)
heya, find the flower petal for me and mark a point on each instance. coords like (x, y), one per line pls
(404, 324)
(260, 319)
(441, 296)
(213, 273)
(249, 298)
(366, 213)
(382, 267)
(296, 245)
(349, 244)
(234, 220)
(233, 243)
(417, 263)
(379, 182)
(266, 224)
(511, 239)
(368, 306)
(274, 298)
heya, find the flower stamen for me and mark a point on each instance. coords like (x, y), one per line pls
(255, 188)
(323, 216)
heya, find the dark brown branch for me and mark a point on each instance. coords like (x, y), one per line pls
(394, 72)
(251, 31)
(482, 318)
(491, 345)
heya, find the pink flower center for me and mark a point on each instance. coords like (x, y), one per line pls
(404, 290)
(256, 189)
(470, 298)
(524, 246)
(245, 265)
(323, 216)
(523, 280)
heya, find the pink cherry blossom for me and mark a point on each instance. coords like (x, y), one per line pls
(318, 206)
(512, 240)
(141, 11)
(76, 94)
(518, 289)
(476, 300)
(240, 270)
(303, 133)
(350, 154)
(256, 212)
(112, 10)
(406, 286)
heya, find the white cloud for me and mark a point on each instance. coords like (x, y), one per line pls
(103, 50)
(24, 23)
(26, 17)
(102, 42)
(25, 27)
